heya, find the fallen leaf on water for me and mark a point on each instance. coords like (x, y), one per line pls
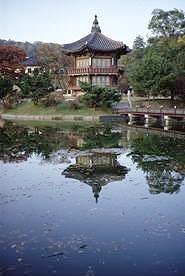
(56, 254)
(83, 246)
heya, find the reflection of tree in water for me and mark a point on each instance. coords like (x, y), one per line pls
(161, 175)
(163, 161)
(101, 137)
(164, 181)
(11, 148)
(96, 169)
(18, 142)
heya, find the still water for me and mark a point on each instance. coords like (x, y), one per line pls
(91, 200)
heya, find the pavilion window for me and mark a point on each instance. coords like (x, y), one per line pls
(82, 63)
(101, 62)
(104, 62)
(81, 79)
(100, 81)
(36, 70)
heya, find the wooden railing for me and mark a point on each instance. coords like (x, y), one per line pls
(92, 70)
(153, 111)
(74, 87)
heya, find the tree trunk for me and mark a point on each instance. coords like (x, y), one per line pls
(172, 96)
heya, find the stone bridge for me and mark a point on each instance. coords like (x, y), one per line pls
(165, 114)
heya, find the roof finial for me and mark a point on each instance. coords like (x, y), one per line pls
(95, 26)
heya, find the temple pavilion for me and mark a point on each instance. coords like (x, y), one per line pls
(95, 60)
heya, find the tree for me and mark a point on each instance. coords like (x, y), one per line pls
(144, 74)
(128, 60)
(138, 47)
(167, 23)
(5, 89)
(10, 61)
(52, 57)
(27, 47)
(161, 70)
(35, 86)
(99, 96)
(172, 52)
(179, 87)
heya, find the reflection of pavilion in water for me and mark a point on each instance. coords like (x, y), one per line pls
(96, 169)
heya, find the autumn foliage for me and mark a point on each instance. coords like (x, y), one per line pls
(51, 56)
(10, 61)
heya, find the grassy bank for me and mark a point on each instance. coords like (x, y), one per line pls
(29, 108)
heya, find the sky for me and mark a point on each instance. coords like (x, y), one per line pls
(65, 21)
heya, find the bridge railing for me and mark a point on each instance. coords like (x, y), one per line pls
(173, 111)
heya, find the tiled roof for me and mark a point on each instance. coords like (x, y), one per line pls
(95, 41)
(30, 61)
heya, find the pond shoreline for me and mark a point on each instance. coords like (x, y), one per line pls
(72, 118)
(50, 117)
(114, 118)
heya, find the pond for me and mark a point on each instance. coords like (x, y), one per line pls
(82, 199)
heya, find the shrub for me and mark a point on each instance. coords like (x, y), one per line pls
(5, 89)
(100, 96)
(52, 99)
(74, 105)
(35, 86)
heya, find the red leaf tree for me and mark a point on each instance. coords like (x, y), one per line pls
(10, 61)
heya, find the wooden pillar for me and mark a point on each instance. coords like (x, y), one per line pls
(75, 62)
(90, 61)
(90, 79)
(110, 80)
